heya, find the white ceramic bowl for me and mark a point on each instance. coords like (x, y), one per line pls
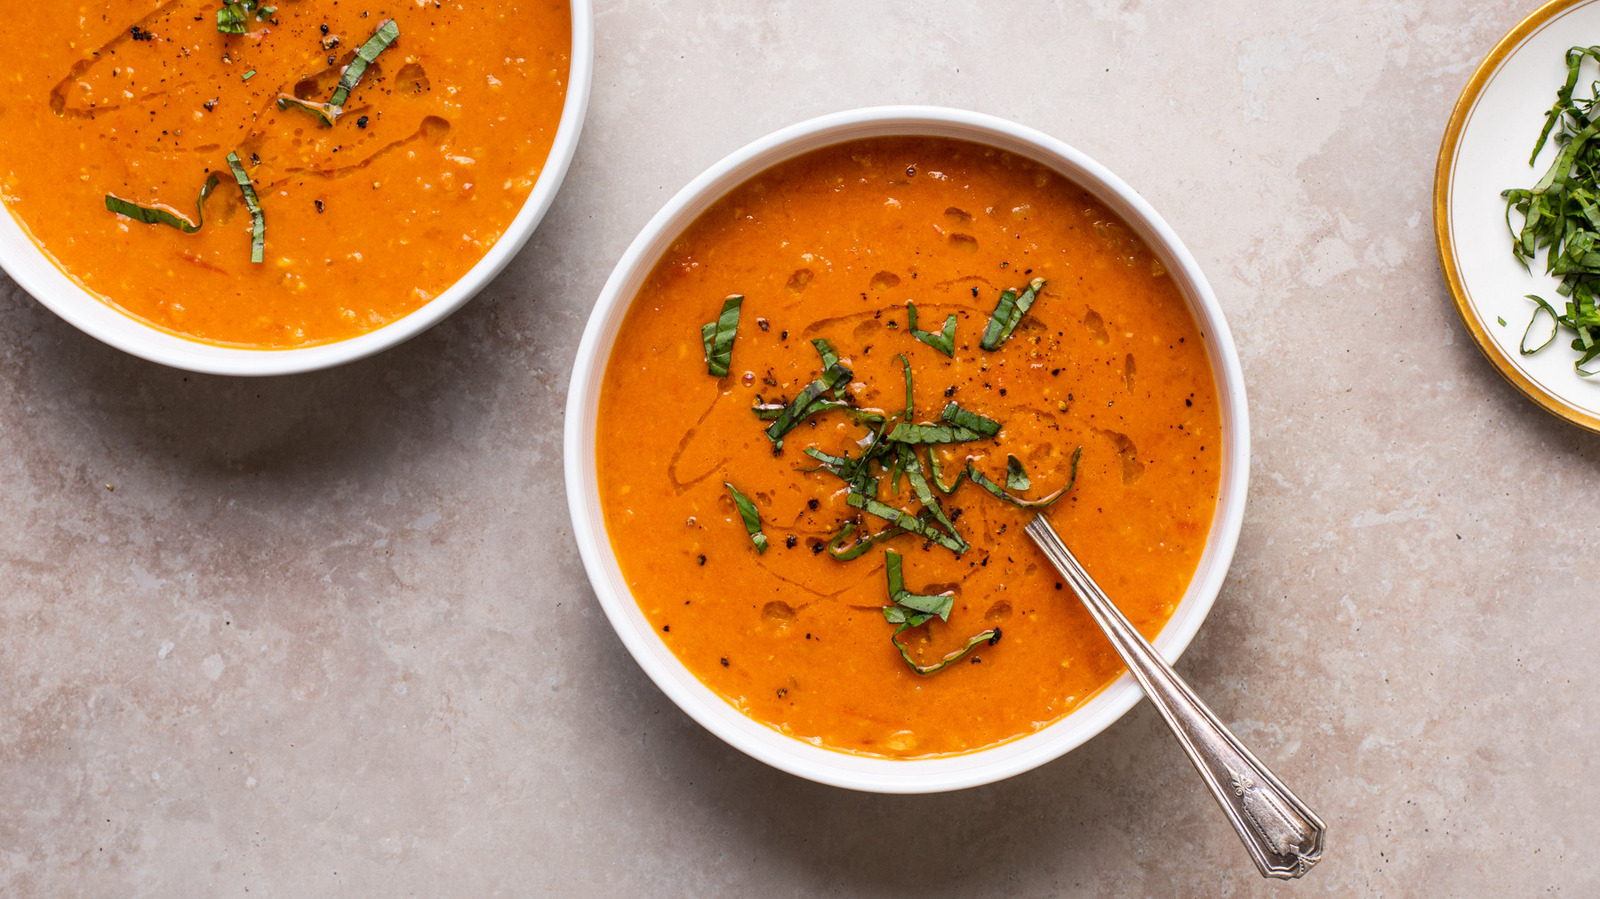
(34, 271)
(792, 755)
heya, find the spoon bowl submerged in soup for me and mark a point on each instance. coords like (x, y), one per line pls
(860, 581)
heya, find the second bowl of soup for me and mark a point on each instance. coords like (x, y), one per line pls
(274, 188)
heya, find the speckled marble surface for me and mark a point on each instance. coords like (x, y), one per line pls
(329, 635)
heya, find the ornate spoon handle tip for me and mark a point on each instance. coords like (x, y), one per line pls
(1283, 835)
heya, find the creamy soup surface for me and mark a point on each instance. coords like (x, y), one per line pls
(835, 245)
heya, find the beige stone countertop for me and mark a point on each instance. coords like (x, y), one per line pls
(329, 634)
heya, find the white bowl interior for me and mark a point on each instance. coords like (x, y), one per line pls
(797, 756)
(38, 275)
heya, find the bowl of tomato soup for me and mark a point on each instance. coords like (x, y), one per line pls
(257, 188)
(822, 393)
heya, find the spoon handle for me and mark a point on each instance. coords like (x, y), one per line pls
(1283, 835)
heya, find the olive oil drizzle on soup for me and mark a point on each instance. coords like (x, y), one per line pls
(832, 245)
(437, 149)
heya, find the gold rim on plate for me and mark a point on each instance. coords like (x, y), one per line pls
(1445, 240)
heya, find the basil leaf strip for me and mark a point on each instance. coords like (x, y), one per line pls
(919, 485)
(896, 469)
(911, 403)
(258, 220)
(836, 545)
(935, 476)
(156, 215)
(323, 113)
(1016, 475)
(842, 466)
(900, 518)
(801, 407)
(717, 336)
(933, 605)
(960, 417)
(388, 31)
(771, 411)
(752, 518)
(911, 610)
(1008, 314)
(1555, 324)
(999, 492)
(825, 350)
(234, 16)
(944, 342)
(990, 636)
(925, 434)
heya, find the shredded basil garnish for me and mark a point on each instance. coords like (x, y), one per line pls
(911, 402)
(155, 215)
(893, 448)
(258, 220)
(809, 401)
(936, 477)
(1016, 475)
(752, 518)
(1017, 479)
(909, 610)
(771, 411)
(1555, 322)
(901, 518)
(930, 503)
(924, 434)
(320, 111)
(924, 607)
(960, 417)
(843, 466)
(826, 351)
(388, 31)
(961, 426)
(1561, 214)
(234, 16)
(329, 112)
(1008, 314)
(717, 336)
(944, 342)
(837, 548)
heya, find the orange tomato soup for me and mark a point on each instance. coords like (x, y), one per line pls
(437, 148)
(833, 245)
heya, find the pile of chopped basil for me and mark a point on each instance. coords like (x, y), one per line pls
(894, 448)
(1561, 215)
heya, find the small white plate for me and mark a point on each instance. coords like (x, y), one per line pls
(1485, 151)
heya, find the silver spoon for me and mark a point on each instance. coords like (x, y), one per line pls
(1283, 835)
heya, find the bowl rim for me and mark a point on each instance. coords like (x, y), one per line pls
(36, 272)
(800, 757)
